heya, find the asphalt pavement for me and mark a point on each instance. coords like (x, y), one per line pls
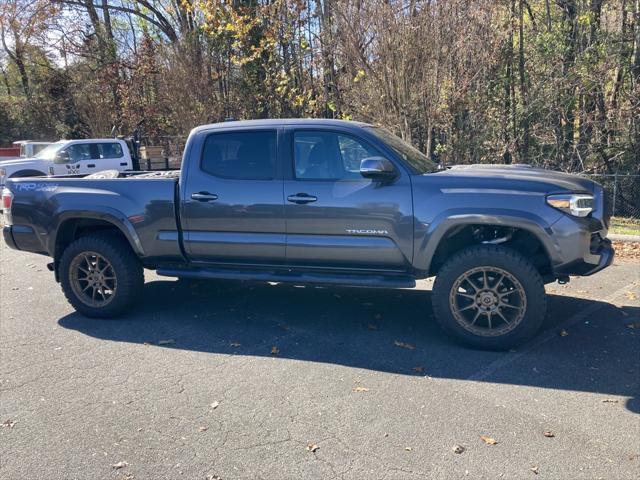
(255, 381)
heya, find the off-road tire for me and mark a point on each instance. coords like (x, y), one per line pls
(126, 266)
(502, 258)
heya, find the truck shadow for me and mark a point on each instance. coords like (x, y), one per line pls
(385, 330)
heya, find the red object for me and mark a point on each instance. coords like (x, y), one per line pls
(10, 152)
(7, 199)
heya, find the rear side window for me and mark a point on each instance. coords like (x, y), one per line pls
(109, 150)
(241, 155)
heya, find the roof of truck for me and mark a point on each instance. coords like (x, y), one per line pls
(276, 122)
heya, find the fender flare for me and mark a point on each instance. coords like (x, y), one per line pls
(434, 232)
(95, 212)
(27, 173)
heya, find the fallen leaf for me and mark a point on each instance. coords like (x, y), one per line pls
(548, 434)
(275, 350)
(631, 296)
(213, 477)
(169, 341)
(215, 405)
(458, 449)
(418, 369)
(609, 400)
(312, 447)
(634, 325)
(408, 449)
(8, 423)
(488, 440)
(408, 346)
(534, 470)
(235, 344)
(203, 429)
(360, 389)
(119, 465)
(563, 333)
(371, 326)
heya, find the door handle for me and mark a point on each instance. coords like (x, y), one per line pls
(123, 164)
(301, 198)
(91, 165)
(204, 196)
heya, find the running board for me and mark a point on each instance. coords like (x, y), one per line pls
(395, 281)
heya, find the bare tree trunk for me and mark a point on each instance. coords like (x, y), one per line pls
(524, 94)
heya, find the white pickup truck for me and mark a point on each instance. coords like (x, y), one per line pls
(71, 157)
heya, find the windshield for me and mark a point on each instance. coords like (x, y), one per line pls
(412, 156)
(50, 152)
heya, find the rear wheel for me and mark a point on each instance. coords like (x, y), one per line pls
(100, 275)
(490, 297)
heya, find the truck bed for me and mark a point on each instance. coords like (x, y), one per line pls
(141, 204)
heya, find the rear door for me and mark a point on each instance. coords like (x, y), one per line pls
(232, 199)
(336, 219)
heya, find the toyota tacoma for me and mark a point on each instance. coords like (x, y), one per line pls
(320, 201)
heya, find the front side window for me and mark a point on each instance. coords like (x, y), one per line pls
(241, 155)
(79, 152)
(321, 155)
(109, 150)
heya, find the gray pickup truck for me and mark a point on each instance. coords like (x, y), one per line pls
(320, 201)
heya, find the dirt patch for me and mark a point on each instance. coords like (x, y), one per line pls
(627, 252)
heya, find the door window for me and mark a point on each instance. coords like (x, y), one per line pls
(79, 152)
(323, 155)
(241, 155)
(109, 150)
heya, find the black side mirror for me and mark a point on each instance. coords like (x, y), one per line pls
(62, 157)
(377, 168)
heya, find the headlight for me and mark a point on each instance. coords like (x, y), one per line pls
(578, 205)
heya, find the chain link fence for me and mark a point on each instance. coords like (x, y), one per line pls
(623, 190)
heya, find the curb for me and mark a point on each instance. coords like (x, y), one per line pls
(623, 238)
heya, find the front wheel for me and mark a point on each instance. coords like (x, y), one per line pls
(100, 275)
(490, 297)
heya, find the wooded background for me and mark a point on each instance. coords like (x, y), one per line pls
(548, 82)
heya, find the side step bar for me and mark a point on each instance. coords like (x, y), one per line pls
(382, 281)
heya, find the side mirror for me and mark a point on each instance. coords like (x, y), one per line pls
(62, 157)
(377, 168)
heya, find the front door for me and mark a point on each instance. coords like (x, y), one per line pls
(232, 199)
(337, 219)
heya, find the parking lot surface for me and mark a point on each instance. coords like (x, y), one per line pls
(248, 381)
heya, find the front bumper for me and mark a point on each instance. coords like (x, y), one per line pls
(601, 255)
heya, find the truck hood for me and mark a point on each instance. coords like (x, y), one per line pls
(20, 162)
(538, 179)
